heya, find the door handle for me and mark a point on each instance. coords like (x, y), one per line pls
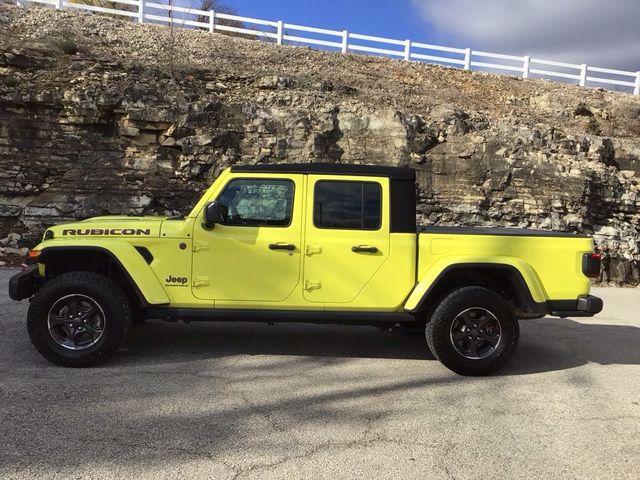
(364, 249)
(282, 246)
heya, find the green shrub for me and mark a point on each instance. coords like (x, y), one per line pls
(10, 81)
(593, 126)
(69, 46)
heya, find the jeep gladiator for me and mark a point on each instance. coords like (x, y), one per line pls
(323, 243)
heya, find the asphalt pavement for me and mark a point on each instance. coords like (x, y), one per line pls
(250, 401)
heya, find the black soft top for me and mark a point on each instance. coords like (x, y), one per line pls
(394, 173)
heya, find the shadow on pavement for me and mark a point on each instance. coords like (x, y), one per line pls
(557, 344)
(545, 345)
(159, 340)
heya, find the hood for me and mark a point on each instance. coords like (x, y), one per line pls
(111, 226)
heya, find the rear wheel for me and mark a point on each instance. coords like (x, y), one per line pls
(78, 319)
(473, 331)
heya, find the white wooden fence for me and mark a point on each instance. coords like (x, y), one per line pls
(346, 42)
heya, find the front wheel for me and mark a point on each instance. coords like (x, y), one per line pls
(78, 319)
(473, 331)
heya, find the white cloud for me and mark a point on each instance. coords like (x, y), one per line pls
(598, 32)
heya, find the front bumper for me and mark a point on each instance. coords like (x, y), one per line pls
(24, 284)
(583, 306)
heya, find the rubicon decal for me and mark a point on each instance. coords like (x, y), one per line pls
(176, 281)
(106, 231)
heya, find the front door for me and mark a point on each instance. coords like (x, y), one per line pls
(347, 236)
(254, 256)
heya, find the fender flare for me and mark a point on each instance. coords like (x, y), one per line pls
(139, 275)
(529, 288)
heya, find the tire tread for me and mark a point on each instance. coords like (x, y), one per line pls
(437, 336)
(120, 323)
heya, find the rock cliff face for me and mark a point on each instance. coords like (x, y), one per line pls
(101, 116)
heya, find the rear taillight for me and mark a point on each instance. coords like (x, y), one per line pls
(591, 264)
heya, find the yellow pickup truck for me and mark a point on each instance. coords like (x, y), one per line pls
(323, 243)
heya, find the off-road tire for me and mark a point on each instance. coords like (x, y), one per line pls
(105, 292)
(439, 337)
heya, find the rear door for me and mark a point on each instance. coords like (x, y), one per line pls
(347, 235)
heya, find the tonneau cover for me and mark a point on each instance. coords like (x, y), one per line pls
(500, 231)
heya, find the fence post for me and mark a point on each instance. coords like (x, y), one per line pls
(280, 32)
(212, 20)
(140, 11)
(525, 66)
(583, 75)
(467, 59)
(59, 5)
(407, 50)
(345, 41)
(636, 91)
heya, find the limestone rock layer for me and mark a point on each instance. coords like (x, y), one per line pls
(101, 116)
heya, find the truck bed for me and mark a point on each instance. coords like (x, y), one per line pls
(549, 262)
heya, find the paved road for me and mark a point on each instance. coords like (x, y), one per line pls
(295, 401)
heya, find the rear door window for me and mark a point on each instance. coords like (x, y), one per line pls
(347, 205)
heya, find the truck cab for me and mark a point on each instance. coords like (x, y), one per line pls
(303, 242)
(299, 240)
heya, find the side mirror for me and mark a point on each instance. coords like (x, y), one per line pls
(212, 215)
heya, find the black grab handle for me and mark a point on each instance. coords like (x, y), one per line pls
(363, 249)
(282, 246)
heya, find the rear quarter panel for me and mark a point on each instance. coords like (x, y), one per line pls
(551, 266)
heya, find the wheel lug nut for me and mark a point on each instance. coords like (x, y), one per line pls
(477, 338)
(470, 337)
(475, 326)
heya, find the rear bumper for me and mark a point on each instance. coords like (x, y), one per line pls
(23, 285)
(583, 306)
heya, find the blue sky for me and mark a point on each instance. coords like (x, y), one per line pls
(392, 19)
(598, 32)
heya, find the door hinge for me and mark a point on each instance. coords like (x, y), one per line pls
(311, 250)
(308, 285)
(200, 246)
(200, 282)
